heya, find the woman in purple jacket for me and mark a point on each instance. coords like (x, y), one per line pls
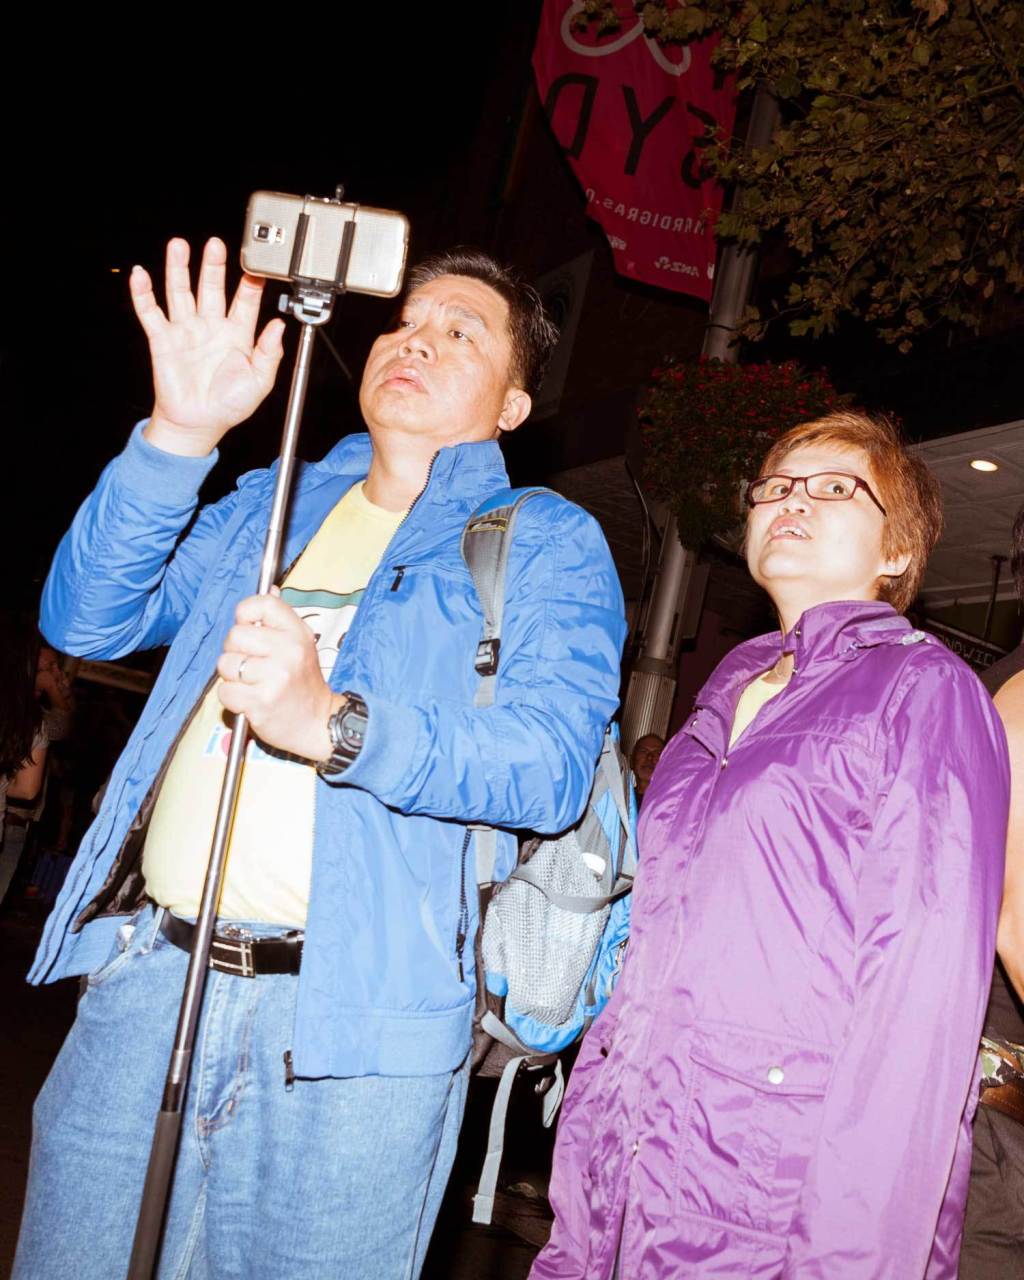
(782, 1084)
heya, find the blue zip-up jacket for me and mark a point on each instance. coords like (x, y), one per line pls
(379, 991)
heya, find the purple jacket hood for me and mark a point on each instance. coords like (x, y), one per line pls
(782, 1084)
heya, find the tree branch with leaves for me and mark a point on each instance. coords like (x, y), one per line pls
(897, 175)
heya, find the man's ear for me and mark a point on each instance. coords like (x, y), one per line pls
(515, 410)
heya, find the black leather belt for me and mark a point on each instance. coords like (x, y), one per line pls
(233, 951)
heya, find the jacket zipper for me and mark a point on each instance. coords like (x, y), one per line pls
(462, 930)
(399, 569)
(394, 587)
(463, 925)
(426, 482)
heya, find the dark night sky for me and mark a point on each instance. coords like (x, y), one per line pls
(133, 154)
(110, 151)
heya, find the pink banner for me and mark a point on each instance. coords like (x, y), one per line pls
(631, 117)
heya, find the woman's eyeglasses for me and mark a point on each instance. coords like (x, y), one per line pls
(823, 486)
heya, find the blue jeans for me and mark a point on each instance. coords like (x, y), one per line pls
(340, 1179)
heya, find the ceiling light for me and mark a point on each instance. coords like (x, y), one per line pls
(983, 464)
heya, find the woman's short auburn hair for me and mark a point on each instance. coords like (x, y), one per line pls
(905, 487)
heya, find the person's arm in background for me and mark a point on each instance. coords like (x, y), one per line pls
(27, 781)
(1010, 938)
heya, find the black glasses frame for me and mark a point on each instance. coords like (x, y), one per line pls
(858, 483)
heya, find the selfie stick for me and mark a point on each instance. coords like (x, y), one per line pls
(311, 305)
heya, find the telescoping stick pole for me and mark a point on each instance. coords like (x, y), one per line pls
(162, 1154)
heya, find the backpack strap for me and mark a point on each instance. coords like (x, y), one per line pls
(578, 906)
(619, 854)
(486, 542)
(483, 1201)
(612, 766)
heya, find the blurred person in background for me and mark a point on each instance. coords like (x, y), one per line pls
(994, 1227)
(644, 756)
(35, 709)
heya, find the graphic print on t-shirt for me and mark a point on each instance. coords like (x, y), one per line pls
(328, 614)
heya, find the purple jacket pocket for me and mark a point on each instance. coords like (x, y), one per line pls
(749, 1127)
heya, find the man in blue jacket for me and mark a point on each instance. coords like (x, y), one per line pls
(330, 1067)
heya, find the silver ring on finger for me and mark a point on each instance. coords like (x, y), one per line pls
(241, 668)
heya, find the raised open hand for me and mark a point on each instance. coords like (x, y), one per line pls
(209, 370)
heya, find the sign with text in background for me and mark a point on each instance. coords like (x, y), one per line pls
(979, 654)
(632, 118)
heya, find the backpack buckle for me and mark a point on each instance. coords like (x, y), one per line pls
(486, 663)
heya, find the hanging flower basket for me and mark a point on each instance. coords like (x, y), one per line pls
(706, 425)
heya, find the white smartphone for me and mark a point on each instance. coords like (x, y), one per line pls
(305, 237)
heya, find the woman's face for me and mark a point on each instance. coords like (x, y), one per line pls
(806, 551)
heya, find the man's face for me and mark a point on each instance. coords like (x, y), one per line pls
(48, 660)
(442, 376)
(646, 754)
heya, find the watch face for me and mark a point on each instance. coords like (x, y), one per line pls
(353, 729)
(347, 727)
(350, 725)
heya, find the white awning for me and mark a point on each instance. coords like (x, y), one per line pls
(980, 509)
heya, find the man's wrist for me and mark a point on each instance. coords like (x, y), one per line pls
(186, 442)
(325, 743)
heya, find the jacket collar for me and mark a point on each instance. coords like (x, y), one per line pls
(838, 629)
(462, 470)
(469, 472)
(828, 632)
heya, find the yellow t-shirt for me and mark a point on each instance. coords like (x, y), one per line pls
(752, 699)
(271, 849)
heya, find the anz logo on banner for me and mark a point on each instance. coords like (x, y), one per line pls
(633, 120)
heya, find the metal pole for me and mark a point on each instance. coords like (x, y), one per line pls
(652, 681)
(149, 1227)
(997, 570)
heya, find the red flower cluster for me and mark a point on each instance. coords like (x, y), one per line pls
(706, 425)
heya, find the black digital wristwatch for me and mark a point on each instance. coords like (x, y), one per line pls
(347, 727)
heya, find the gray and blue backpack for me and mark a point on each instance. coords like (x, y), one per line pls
(553, 935)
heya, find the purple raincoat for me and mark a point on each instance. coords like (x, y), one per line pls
(781, 1085)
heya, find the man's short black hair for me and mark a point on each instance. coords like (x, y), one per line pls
(531, 331)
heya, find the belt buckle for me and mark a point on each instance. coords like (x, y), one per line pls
(1002, 1062)
(238, 944)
